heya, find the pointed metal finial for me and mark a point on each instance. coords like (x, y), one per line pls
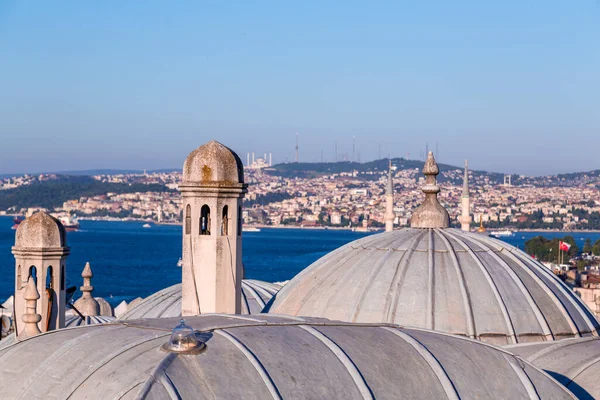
(430, 214)
(31, 318)
(481, 228)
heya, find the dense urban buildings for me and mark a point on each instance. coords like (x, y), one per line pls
(350, 198)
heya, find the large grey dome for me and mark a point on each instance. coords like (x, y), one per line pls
(263, 357)
(167, 302)
(442, 279)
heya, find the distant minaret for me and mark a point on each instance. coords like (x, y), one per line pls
(389, 202)
(296, 147)
(465, 219)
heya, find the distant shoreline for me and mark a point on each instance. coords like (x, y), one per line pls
(356, 229)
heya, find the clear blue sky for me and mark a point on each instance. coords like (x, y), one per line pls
(512, 85)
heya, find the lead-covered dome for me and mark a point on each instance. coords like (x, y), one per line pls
(264, 357)
(166, 303)
(442, 279)
(40, 231)
(213, 163)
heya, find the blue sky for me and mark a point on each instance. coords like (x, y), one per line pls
(513, 86)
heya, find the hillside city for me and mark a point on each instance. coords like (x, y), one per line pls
(354, 198)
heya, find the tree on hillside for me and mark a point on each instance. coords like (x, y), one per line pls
(587, 246)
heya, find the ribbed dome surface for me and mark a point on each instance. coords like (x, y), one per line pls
(265, 357)
(574, 363)
(442, 279)
(167, 302)
(72, 321)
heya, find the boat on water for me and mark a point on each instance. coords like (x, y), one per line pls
(250, 229)
(70, 222)
(146, 226)
(505, 233)
(180, 262)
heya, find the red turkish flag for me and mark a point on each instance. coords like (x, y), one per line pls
(564, 246)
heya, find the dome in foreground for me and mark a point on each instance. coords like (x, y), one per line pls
(441, 279)
(167, 302)
(41, 231)
(213, 163)
(263, 357)
(573, 363)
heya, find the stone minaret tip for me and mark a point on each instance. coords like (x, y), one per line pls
(430, 214)
(31, 318)
(87, 305)
(465, 192)
(390, 185)
(389, 201)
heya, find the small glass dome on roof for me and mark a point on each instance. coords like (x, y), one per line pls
(183, 340)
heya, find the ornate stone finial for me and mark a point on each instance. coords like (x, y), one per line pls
(430, 214)
(87, 305)
(481, 228)
(30, 318)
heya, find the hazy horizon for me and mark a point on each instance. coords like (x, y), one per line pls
(512, 87)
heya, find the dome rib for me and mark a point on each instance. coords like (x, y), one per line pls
(550, 293)
(260, 369)
(493, 287)
(258, 298)
(430, 320)
(523, 378)
(519, 283)
(392, 298)
(90, 371)
(471, 330)
(369, 281)
(556, 284)
(433, 363)
(344, 277)
(353, 371)
(562, 288)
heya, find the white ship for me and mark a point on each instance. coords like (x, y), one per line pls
(505, 233)
(250, 229)
(70, 222)
(146, 226)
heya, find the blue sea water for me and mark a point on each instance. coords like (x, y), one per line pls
(130, 261)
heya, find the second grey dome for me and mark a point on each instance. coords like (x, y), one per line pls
(441, 279)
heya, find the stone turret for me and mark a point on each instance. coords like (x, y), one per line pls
(389, 202)
(212, 190)
(30, 317)
(465, 218)
(40, 253)
(430, 214)
(87, 305)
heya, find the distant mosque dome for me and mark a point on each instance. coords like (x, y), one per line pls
(264, 357)
(166, 303)
(213, 163)
(41, 231)
(442, 279)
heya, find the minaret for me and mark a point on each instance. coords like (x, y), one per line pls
(30, 317)
(212, 189)
(87, 305)
(465, 219)
(389, 202)
(430, 214)
(41, 252)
